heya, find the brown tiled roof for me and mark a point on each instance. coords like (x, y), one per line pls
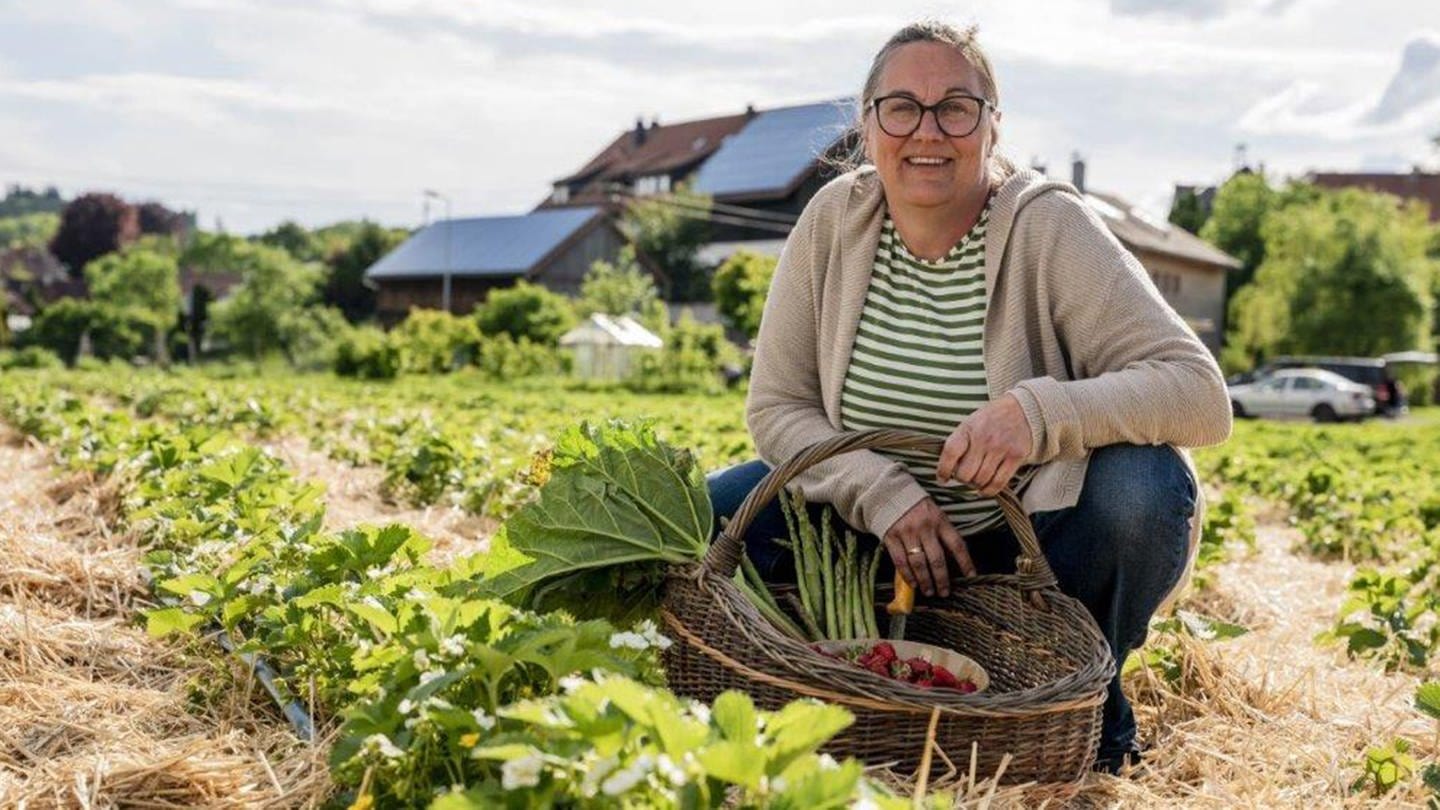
(664, 148)
(32, 263)
(33, 273)
(1143, 234)
(1414, 185)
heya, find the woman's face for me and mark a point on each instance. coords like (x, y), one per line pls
(929, 168)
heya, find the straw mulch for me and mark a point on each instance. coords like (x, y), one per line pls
(93, 712)
(352, 498)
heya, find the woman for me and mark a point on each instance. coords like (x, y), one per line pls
(941, 289)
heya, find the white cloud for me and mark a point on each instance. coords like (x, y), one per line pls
(333, 109)
(1409, 104)
(1415, 85)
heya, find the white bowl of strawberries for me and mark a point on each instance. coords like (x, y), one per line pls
(922, 665)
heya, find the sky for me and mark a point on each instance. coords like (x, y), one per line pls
(322, 110)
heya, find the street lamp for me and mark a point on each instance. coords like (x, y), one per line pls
(445, 277)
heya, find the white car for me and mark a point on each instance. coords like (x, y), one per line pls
(1303, 393)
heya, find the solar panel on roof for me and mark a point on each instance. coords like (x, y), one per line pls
(483, 245)
(774, 148)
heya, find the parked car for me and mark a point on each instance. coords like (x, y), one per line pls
(1373, 372)
(1303, 393)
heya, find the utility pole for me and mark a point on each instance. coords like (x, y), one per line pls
(445, 276)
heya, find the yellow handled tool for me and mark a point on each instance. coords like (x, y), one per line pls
(900, 607)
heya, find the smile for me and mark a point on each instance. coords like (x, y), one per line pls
(927, 161)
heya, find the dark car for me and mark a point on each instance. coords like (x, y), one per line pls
(1371, 371)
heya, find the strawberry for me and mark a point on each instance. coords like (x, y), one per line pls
(886, 651)
(919, 666)
(944, 678)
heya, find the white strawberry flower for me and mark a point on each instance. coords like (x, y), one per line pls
(627, 778)
(523, 772)
(382, 744)
(483, 719)
(594, 773)
(453, 646)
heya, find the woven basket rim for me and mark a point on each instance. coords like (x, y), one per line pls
(918, 708)
(1087, 683)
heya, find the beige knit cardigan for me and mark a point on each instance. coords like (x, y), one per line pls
(1074, 328)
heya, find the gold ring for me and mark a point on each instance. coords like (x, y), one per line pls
(915, 550)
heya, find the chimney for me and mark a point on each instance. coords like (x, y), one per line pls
(1077, 172)
(639, 136)
(749, 110)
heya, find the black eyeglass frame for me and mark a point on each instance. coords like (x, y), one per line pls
(934, 110)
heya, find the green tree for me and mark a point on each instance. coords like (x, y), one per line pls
(114, 332)
(622, 288)
(142, 286)
(1187, 211)
(1237, 219)
(140, 280)
(668, 231)
(28, 230)
(19, 201)
(91, 226)
(294, 239)
(344, 285)
(273, 286)
(1234, 224)
(1345, 272)
(526, 310)
(741, 284)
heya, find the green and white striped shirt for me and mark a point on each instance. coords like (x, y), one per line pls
(918, 360)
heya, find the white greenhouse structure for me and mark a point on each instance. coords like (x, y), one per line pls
(605, 347)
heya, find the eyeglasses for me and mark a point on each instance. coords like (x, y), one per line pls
(957, 116)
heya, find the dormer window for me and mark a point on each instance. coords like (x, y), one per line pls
(652, 184)
(561, 193)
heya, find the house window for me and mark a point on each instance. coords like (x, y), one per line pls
(652, 184)
(560, 194)
(1166, 283)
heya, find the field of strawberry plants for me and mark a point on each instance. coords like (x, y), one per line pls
(428, 683)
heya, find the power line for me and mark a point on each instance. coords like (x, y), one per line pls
(755, 218)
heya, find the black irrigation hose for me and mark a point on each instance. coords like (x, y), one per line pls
(293, 710)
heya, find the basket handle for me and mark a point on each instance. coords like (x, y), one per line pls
(724, 555)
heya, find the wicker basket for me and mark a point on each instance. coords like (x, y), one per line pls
(1047, 661)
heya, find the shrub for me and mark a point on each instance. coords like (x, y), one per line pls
(621, 288)
(310, 337)
(526, 311)
(113, 332)
(30, 357)
(502, 358)
(434, 342)
(696, 358)
(740, 287)
(368, 354)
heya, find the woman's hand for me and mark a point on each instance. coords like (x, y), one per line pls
(987, 448)
(918, 543)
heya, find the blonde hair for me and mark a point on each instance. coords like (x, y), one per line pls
(962, 40)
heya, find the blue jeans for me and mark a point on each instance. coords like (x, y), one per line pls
(1119, 550)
